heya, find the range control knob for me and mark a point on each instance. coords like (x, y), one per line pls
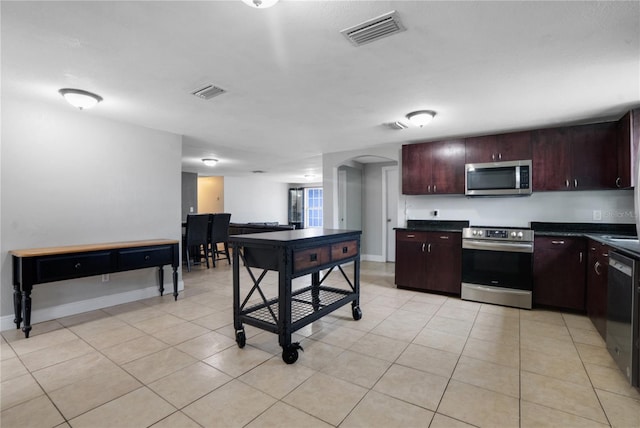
(520, 235)
(513, 234)
(474, 232)
(480, 233)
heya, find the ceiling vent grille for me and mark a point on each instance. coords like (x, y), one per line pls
(397, 125)
(374, 29)
(208, 92)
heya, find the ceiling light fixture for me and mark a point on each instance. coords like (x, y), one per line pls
(79, 98)
(260, 4)
(210, 162)
(421, 117)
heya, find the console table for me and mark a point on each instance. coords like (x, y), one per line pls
(293, 254)
(42, 265)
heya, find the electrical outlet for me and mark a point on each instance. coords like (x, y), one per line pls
(597, 215)
(105, 277)
(190, 209)
(435, 213)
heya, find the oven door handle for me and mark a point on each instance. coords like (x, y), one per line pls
(511, 247)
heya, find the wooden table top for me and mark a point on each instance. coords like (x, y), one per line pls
(35, 252)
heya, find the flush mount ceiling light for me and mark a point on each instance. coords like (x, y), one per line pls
(210, 162)
(79, 98)
(260, 4)
(421, 117)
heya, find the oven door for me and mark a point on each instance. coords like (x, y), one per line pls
(498, 264)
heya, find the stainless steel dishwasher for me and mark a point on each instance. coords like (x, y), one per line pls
(622, 314)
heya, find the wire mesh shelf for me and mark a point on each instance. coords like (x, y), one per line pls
(302, 304)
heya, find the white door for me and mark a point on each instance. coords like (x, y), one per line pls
(391, 209)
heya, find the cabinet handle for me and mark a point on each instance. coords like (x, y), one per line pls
(499, 156)
(147, 257)
(493, 156)
(423, 245)
(429, 188)
(605, 254)
(434, 188)
(444, 237)
(557, 242)
(575, 182)
(429, 248)
(345, 250)
(566, 183)
(313, 257)
(618, 182)
(580, 257)
(77, 265)
(411, 236)
(595, 267)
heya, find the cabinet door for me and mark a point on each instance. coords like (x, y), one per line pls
(514, 146)
(410, 259)
(416, 169)
(447, 166)
(444, 262)
(551, 156)
(559, 272)
(481, 149)
(594, 156)
(597, 270)
(628, 137)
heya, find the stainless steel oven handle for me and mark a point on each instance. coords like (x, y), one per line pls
(513, 247)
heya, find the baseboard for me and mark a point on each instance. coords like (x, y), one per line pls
(67, 309)
(372, 258)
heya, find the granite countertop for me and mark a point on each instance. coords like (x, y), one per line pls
(435, 225)
(621, 237)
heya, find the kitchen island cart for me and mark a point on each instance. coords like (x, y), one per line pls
(293, 254)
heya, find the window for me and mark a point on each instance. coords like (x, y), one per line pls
(313, 206)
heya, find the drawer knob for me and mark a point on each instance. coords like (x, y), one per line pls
(345, 250)
(78, 265)
(147, 257)
(313, 257)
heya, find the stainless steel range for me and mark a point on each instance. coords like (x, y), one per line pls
(497, 265)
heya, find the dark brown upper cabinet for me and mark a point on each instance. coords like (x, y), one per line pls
(496, 148)
(628, 138)
(575, 157)
(433, 168)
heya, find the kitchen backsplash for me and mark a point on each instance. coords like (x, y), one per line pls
(607, 206)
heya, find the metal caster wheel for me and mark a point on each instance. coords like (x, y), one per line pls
(290, 353)
(241, 339)
(356, 312)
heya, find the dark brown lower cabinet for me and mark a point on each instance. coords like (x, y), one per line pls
(597, 267)
(559, 272)
(430, 261)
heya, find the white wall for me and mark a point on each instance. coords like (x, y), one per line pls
(615, 206)
(69, 177)
(254, 199)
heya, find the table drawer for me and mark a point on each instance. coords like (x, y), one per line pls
(344, 250)
(145, 257)
(310, 258)
(55, 268)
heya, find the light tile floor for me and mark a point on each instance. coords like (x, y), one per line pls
(413, 360)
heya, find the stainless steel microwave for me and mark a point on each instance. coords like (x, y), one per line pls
(498, 178)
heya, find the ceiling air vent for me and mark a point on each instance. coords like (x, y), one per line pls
(397, 125)
(208, 92)
(374, 29)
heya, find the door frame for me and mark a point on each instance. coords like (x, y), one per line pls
(385, 195)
